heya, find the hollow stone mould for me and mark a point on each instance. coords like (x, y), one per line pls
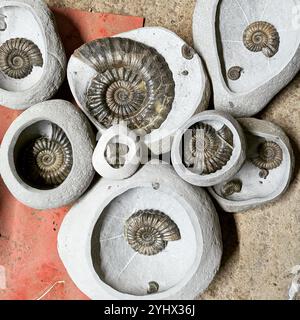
(251, 49)
(149, 78)
(46, 155)
(32, 58)
(209, 149)
(137, 234)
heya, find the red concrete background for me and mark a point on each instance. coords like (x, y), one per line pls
(30, 267)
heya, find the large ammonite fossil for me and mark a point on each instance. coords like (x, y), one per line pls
(148, 231)
(269, 157)
(133, 84)
(47, 162)
(262, 36)
(207, 150)
(18, 56)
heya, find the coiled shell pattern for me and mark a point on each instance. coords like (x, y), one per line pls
(18, 56)
(148, 231)
(205, 149)
(262, 36)
(234, 73)
(133, 84)
(269, 156)
(47, 162)
(232, 187)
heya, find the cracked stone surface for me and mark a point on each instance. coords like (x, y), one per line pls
(261, 246)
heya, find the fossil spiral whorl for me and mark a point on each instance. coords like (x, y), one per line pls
(47, 162)
(234, 73)
(133, 84)
(269, 156)
(148, 231)
(262, 36)
(207, 150)
(18, 56)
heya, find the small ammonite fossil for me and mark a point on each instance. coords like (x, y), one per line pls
(234, 73)
(133, 84)
(187, 52)
(153, 287)
(262, 36)
(206, 150)
(269, 156)
(47, 161)
(232, 187)
(148, 231)
(18, 56)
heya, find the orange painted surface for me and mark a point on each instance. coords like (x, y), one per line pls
(30, 267)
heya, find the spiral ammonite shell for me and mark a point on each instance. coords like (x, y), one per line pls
(206, 150)
(18, 56)
(47, 162)
(133, 84)
(269, 156)
(234, 73)
(262, 36)
(148, 231)
(232, 187)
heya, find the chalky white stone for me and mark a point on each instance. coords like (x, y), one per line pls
(32, 58)
(111, 266)
(260, 37)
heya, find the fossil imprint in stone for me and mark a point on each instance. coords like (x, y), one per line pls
(266, 173)
(148, 231)
(207, 150)
(234, 73)
(262, 36)
(18, 56)
(269, 157)
(133, 83)
(231, 187)
(47, 161)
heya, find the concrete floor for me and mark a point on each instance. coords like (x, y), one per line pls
(260, 246)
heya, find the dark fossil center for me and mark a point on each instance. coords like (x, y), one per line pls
(267, 153)
(16, 61)
(259, 38)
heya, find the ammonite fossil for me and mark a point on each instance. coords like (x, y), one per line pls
(153, 287)
(18, 56)
(232, 187)
(234, 73)
(133, 84)
(187, 52)
(148, 231)
(47, 162)
(262, 36)
(205, 149)
(269, 156)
